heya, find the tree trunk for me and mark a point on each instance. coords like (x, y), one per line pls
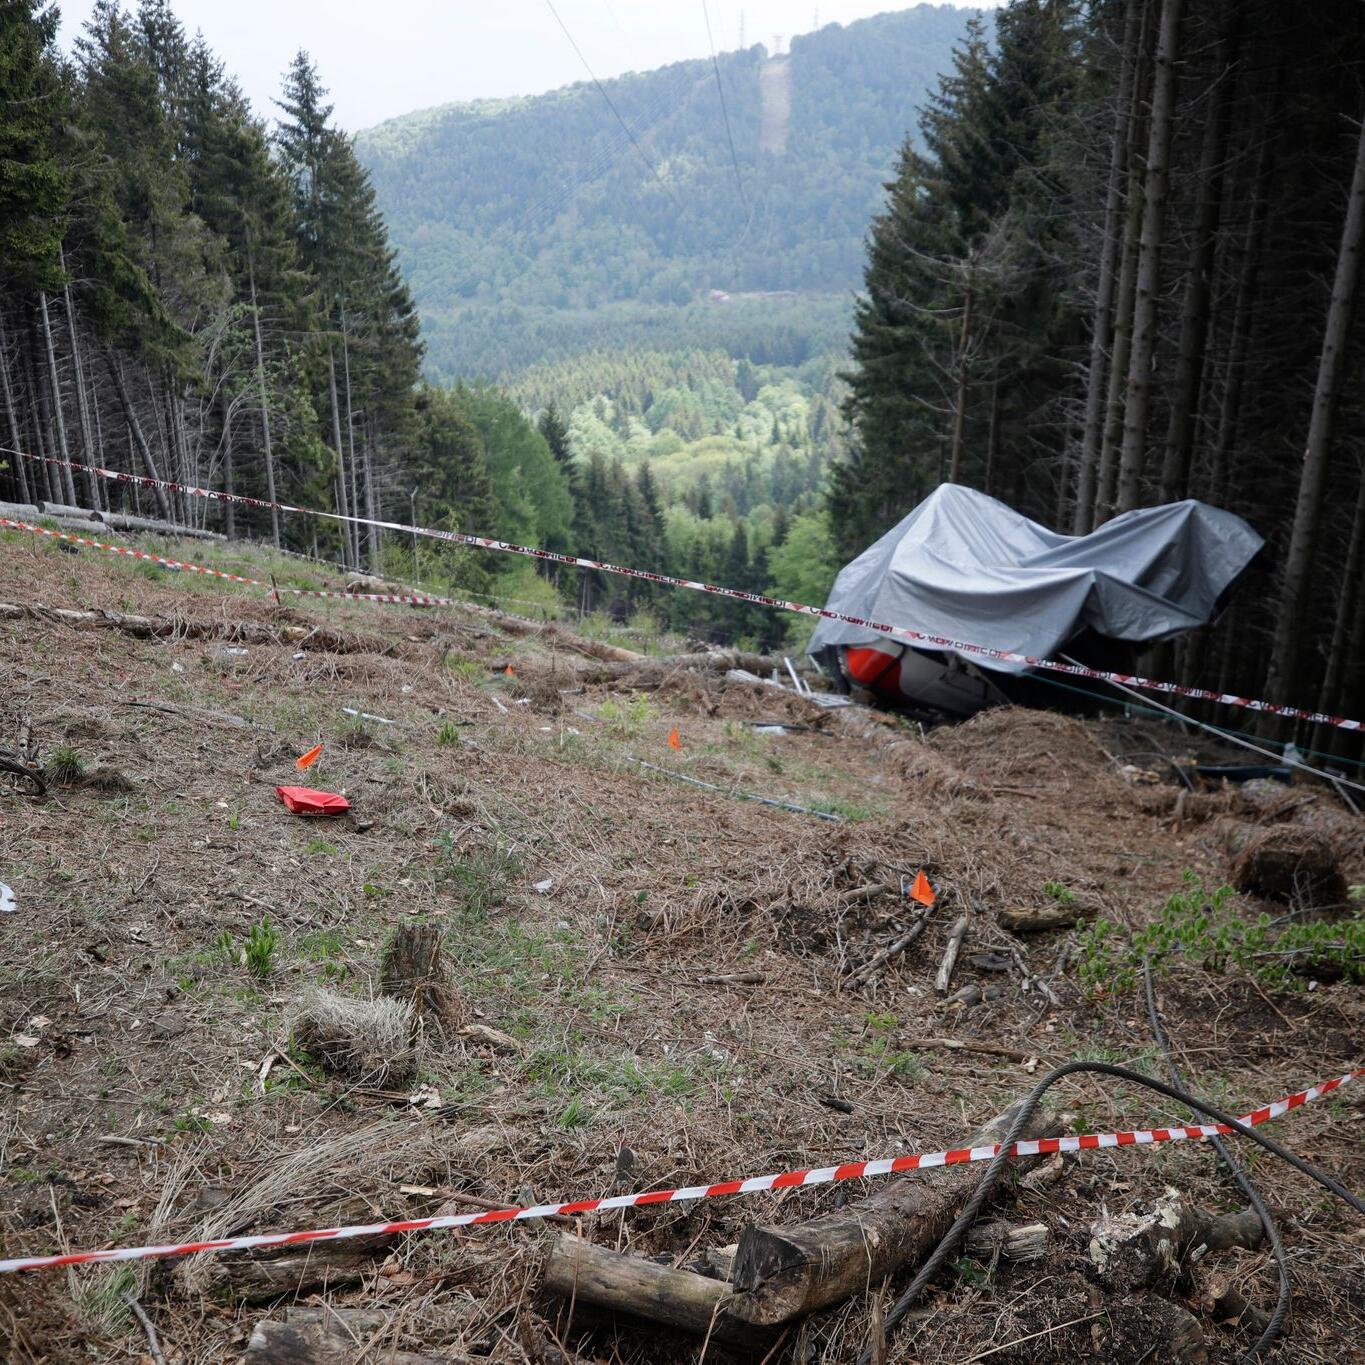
(55, 390)
(371, 534)
(1102, 325)
(266, 446)
(963, 381)
(992, 436)
(372, 510)
(229, 474)
(1124, 296)
(351, 555)
(1350, 593)
(51, 480)
(89, 452)
(1156, 184)
(1284, 659)
(136, 433)
(93, 403)
(15, 440)
(1239, 343)
(1194, 318)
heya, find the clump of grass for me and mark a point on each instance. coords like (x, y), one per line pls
(448, 734)
(463, 666)
(480, 878)
(65, 766)
(101, 1299)
(368, 1041)
(261, 945)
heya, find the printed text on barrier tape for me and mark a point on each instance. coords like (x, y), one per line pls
(855, 1170)
(937, 642)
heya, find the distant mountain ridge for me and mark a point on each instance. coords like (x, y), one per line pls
(531, 227)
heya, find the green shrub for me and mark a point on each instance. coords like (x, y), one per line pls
(1204, 928)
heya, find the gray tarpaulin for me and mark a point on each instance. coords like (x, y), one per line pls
(966, 566)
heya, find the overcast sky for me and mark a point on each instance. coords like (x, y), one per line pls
(386, 57)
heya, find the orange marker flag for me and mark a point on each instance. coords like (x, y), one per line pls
(921, 891)
(510, 671)
(307, 760)
(673, 741)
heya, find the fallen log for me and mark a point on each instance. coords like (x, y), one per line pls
(585, 1273)
(247, 1280)
(781, 1274)
(1037, 920)
(1131, 1251)
(554, 634)
(327, 1336)
(179, 628)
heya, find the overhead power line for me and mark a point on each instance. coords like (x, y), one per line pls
(611, 104)
(725, 112)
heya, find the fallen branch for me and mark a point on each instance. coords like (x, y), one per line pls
(786, 1273)
(149, 1330)
(966, 1045)
(743, 796)
(869, 968)
(944, 978)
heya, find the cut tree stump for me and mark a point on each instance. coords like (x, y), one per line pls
(412, 970)
(1134, 1250)
(579, 1271)
(786, 1273)
(1286, 863)
(327, 1336)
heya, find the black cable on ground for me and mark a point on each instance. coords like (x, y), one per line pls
(972, 1208)
(1275, 1326)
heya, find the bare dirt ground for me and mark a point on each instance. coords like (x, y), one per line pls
(153, 1091)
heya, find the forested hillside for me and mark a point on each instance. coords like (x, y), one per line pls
(531, 229)
(194, 294)
(1121, 266)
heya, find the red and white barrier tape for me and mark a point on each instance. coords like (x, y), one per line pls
(915, 637)
(855, 1170)
(413, 600)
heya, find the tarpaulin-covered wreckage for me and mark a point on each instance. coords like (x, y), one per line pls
(965, 566)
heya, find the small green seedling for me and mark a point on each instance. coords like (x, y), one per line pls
(261, 944)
